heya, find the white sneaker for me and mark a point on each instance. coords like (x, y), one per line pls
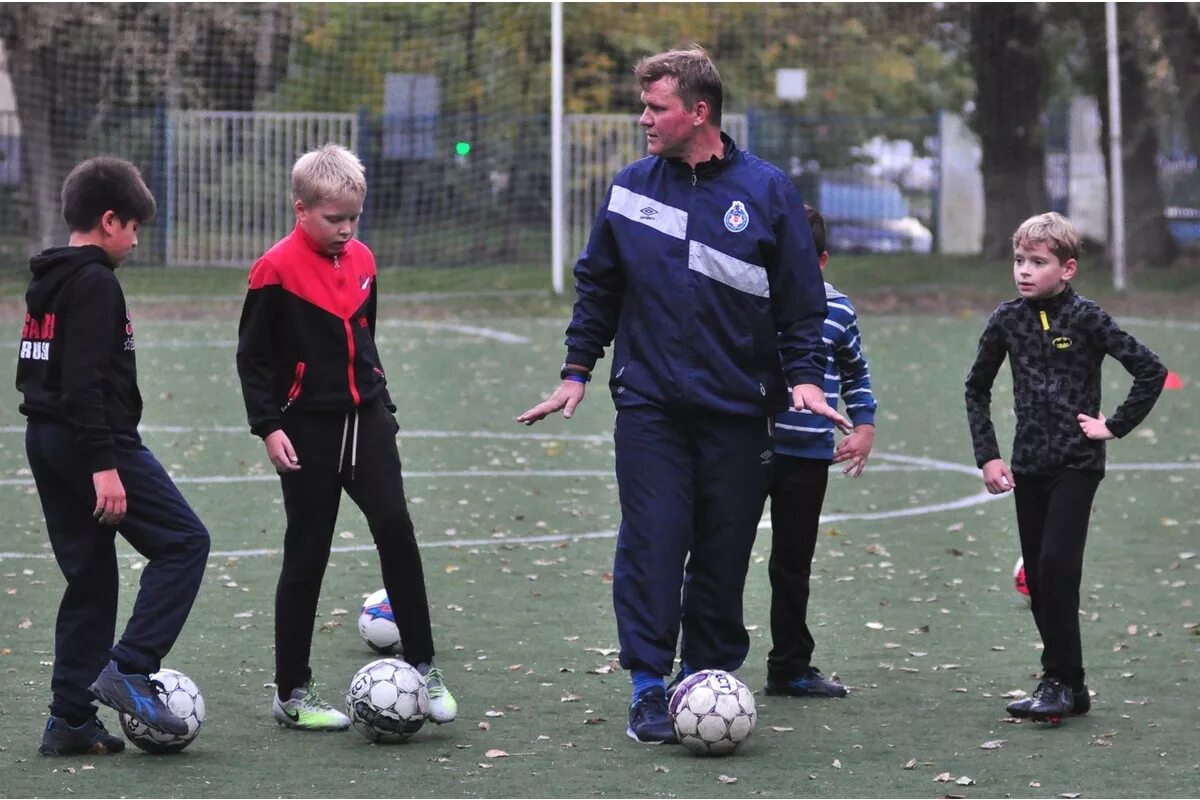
(442, 705)
(305, 710)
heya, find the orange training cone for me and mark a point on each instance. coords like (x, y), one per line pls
(1173, 381)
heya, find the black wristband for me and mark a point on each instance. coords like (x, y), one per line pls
(582, 375)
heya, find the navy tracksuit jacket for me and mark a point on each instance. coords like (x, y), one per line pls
(708, 281)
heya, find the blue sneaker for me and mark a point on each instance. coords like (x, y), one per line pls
(90, 738)
(810, 684)
(649, 722)
(137, 696)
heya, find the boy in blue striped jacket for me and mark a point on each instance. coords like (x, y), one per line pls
(804, 451)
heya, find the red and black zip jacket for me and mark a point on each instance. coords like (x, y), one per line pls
(306, 340)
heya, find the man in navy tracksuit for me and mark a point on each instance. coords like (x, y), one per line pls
(701, 266)
(77, 372)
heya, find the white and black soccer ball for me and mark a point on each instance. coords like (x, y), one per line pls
(377, 624)
(712, 712)
(387, 700)
(180, 694)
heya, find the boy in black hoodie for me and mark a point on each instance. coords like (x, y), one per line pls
(77, 372)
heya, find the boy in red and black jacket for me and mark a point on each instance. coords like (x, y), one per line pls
(315, 392)
(77, 371)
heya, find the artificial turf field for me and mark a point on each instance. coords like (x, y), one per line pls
(912, 607)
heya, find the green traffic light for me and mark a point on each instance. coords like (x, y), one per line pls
(462, 148)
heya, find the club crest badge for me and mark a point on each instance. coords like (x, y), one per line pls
(736, 218)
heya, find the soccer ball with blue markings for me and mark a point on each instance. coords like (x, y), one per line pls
(377, 624)
(387, 700)
(712, 712)
(180, 694)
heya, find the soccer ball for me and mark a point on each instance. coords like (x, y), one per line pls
(377, 624)
(1019, 577)
(387, 700)
(712, 712)
(182, 696)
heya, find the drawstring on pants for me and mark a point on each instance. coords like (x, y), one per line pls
(349, 425)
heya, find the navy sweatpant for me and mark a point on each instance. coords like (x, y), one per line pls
(311, 497)
(692, 489)
(159, 524)
(797, 495)
(1052, 519)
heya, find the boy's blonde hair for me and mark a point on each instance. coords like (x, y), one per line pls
(1053, 230)
(329, 172)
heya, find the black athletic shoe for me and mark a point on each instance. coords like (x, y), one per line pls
(90, 738)
(674, 684)
(1053, 700)
(137, 696)
(649, 722)
(811, 684)
(1081, 703)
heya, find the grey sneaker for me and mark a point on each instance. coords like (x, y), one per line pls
(443, 707)
(305, 710)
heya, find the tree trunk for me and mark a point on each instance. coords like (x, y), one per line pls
(1181, 40)
(1151, 242)
(41, 171)
(1009, 61)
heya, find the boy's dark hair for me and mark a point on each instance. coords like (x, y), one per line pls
(105, 183)
(696, 77)
(817, 223)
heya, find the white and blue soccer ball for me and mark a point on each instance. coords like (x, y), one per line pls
(377, 624)
(387, 700)
(180, 694)
(712, 712)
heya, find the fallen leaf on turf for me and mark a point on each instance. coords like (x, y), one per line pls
(660, 768)
(993, 744)
(569, 698)
(837, 764)
(1069, 795)
(604, 670)
(943, 777)
(5, 651)
(910, 764)
(604, 651)
(726, 779)
(495, 754)
(25, 622)
(782, 729)
(485, 726)
(1131, 630)
(493, 713)
(875, 626)
(1015, 694)
(594, 721)
(1035, 784)
(965, 781)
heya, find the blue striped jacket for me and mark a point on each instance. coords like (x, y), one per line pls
(708, 280)
(800, 433)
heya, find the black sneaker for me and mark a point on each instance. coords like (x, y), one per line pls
(811, 684)
(1052, 701)
(1081, 703)
(649, 722)
(674, 684)
(137, 696)
(90, 738)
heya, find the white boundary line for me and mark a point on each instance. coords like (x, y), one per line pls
(906, 463)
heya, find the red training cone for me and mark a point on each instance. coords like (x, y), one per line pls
(1173, 381)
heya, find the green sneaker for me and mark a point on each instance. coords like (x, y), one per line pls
(442, 705)
(305, 710)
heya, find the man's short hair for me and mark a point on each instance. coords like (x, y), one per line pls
(696, 77)
(329, 172)
(102, 184)
(817, 223)
(1053, 230)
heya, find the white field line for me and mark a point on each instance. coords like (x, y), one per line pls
(904, 463)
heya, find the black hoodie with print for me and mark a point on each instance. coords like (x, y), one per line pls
(76, 361)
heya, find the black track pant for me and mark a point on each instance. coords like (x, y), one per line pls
(369, 471)
(1052, 516)
(797, 494)
(159, 524)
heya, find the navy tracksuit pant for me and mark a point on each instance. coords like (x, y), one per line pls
(356, 452)
(1052, 519)
(159, 524)
(692, 488)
